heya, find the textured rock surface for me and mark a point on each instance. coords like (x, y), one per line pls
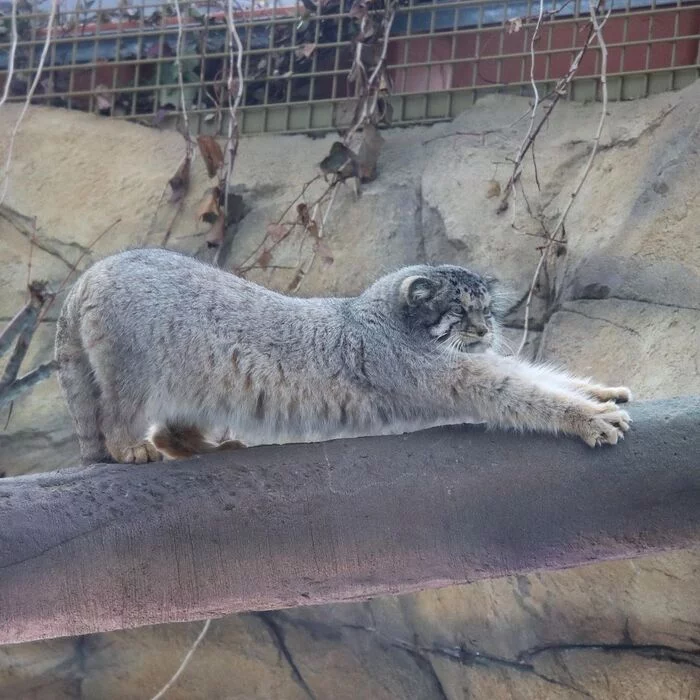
(630, 310)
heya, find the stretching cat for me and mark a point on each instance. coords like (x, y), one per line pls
(158, 353)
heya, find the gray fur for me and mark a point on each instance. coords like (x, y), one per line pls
(149, 338)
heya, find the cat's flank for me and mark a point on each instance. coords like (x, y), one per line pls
(161, 354)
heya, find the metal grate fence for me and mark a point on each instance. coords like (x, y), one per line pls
(118, 59)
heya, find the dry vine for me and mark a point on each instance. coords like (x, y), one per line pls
(30, 92)
(185, 661)
(11, 57)
(19, 332)
(22, 327)
(234, 82)
(557, 234)
(354, 158)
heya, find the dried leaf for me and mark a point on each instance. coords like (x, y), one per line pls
(210, 208)
(312, 228)
(494, 189)
(386, 111)
(264, 259)
(340, 161)
(303, 216)
(180, 181)
(215, 237)
(368, 153)
(211, 153)
(358, 10)
(296, 281)
(323, 250)
(514, 25)
(305, 51)
(385, 82)
(277, 232)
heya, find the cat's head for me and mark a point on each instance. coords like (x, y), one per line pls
(457, 308)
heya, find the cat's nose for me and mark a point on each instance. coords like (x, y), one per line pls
(481, 331)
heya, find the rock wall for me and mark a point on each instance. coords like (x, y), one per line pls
(628, 311)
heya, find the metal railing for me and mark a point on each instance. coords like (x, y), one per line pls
(119, 60)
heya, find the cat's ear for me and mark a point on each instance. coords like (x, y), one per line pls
(417, 290)
(502, 296)
(492, 283)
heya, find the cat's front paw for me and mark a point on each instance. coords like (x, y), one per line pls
(603, 424)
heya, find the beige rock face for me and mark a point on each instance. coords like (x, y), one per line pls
(627, 309)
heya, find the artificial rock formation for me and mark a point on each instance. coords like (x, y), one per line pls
(628, 312)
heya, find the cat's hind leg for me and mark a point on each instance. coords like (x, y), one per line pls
(81, 391)
(122, 439)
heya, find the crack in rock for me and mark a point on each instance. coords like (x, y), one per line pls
(457, 654)
(277, 635)
(658, 652)
(600, 318)
(637, 301)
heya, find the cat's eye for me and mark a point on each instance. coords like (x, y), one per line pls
(487, 313)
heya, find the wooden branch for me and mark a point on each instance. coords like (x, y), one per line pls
(118, 546)
(14, 389)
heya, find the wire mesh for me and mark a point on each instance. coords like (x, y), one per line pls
(118, 58)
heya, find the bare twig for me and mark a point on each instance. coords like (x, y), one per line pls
(11, 57)
(251, 261)
(184, 663)
(74, 267)
(25, 225)
(597, 28)
(233, 130)
(305, 187)
(22, 327)
(31, 252)
(368, 89)
(27, 102)
(535, 91)
(181, 80)
(9, 415)
(233, 135)
(371, 82)
(559, 91)
(304, 269)
(25, 318)
(19, 386)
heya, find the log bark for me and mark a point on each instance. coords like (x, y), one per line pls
(116, 546)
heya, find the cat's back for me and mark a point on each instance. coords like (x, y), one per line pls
(141, 301)
(160, 273)
(151, 283)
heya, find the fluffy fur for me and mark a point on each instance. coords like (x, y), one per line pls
(158, 352)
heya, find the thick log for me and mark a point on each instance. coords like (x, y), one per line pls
(115, 546)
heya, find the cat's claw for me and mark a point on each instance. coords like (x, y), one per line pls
(606, 427)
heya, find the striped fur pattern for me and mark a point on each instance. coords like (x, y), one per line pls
(162, 355)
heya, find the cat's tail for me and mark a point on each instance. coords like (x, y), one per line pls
(76, 378)
(176, 441)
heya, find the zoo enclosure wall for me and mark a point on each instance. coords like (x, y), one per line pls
(118, 59)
